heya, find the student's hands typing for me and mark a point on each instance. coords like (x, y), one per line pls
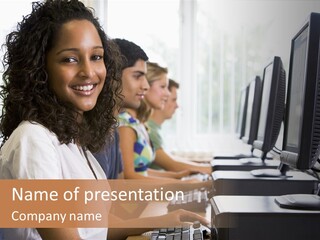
(185, 173)
(182, 218)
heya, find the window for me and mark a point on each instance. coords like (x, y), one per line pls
(8, 22)
(152, 24)
(213, 49)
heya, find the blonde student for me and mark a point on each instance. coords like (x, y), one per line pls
(157, 117)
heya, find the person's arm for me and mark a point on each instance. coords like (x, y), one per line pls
(168, 174)
(127, 138)
(165, 161)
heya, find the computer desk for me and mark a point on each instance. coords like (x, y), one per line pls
(160, 208)
(245, 164)
(242, 182)
(259, 217)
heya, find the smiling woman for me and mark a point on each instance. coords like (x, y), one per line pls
(61, 89)
(57, 105)
(76, 65)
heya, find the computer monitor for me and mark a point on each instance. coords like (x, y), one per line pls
(252, 114)
(301, 142)
(244, 117)
(250, 117)
(272, 106)
(242, 112)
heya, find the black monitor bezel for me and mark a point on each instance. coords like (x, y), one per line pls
(292, 156)
(241, 123)
(275, 108)
(254, 118)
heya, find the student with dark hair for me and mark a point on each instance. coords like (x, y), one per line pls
(110, 157)
(136, 148)
(163, 159)
(61, 88)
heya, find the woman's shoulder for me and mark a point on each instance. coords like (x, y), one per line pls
(26, 136)
(29, 127)
(26, 131)
(125, 119)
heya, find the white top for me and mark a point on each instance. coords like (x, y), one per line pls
(33, 152)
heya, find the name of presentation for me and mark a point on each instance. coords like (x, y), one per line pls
(89, 196)
(86, 196)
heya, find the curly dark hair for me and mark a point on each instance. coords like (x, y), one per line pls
(25, 91)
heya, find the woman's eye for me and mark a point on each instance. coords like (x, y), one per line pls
(97, 57)
(69, 60)
(137, 76)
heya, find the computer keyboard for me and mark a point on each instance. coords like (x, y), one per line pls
(193, 232)
(238, 156)
(194, 200)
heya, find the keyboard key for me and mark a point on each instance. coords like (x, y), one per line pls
(194, 232)
(195, 200)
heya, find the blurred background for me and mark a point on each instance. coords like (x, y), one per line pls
(213, 48)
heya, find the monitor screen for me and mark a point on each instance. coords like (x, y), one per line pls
(265, 101)
(301, 142)
(242, 112)
(297, 89)
(249, 109)
(253, 108)
(272, 106)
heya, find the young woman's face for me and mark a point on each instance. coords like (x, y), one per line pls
(75, 65)
(158, 93)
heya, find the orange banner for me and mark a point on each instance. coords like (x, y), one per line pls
(80, 203)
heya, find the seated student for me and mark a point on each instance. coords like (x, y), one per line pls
(58, 100)
(54, 86)
(137, 151)
(155, 120)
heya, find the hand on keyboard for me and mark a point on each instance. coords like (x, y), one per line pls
(198, 176)
(181, 217)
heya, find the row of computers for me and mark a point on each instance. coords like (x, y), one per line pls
(275, 196)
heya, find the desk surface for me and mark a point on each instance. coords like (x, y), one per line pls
(260, 217)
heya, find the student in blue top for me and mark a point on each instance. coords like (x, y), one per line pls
(110, 158)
